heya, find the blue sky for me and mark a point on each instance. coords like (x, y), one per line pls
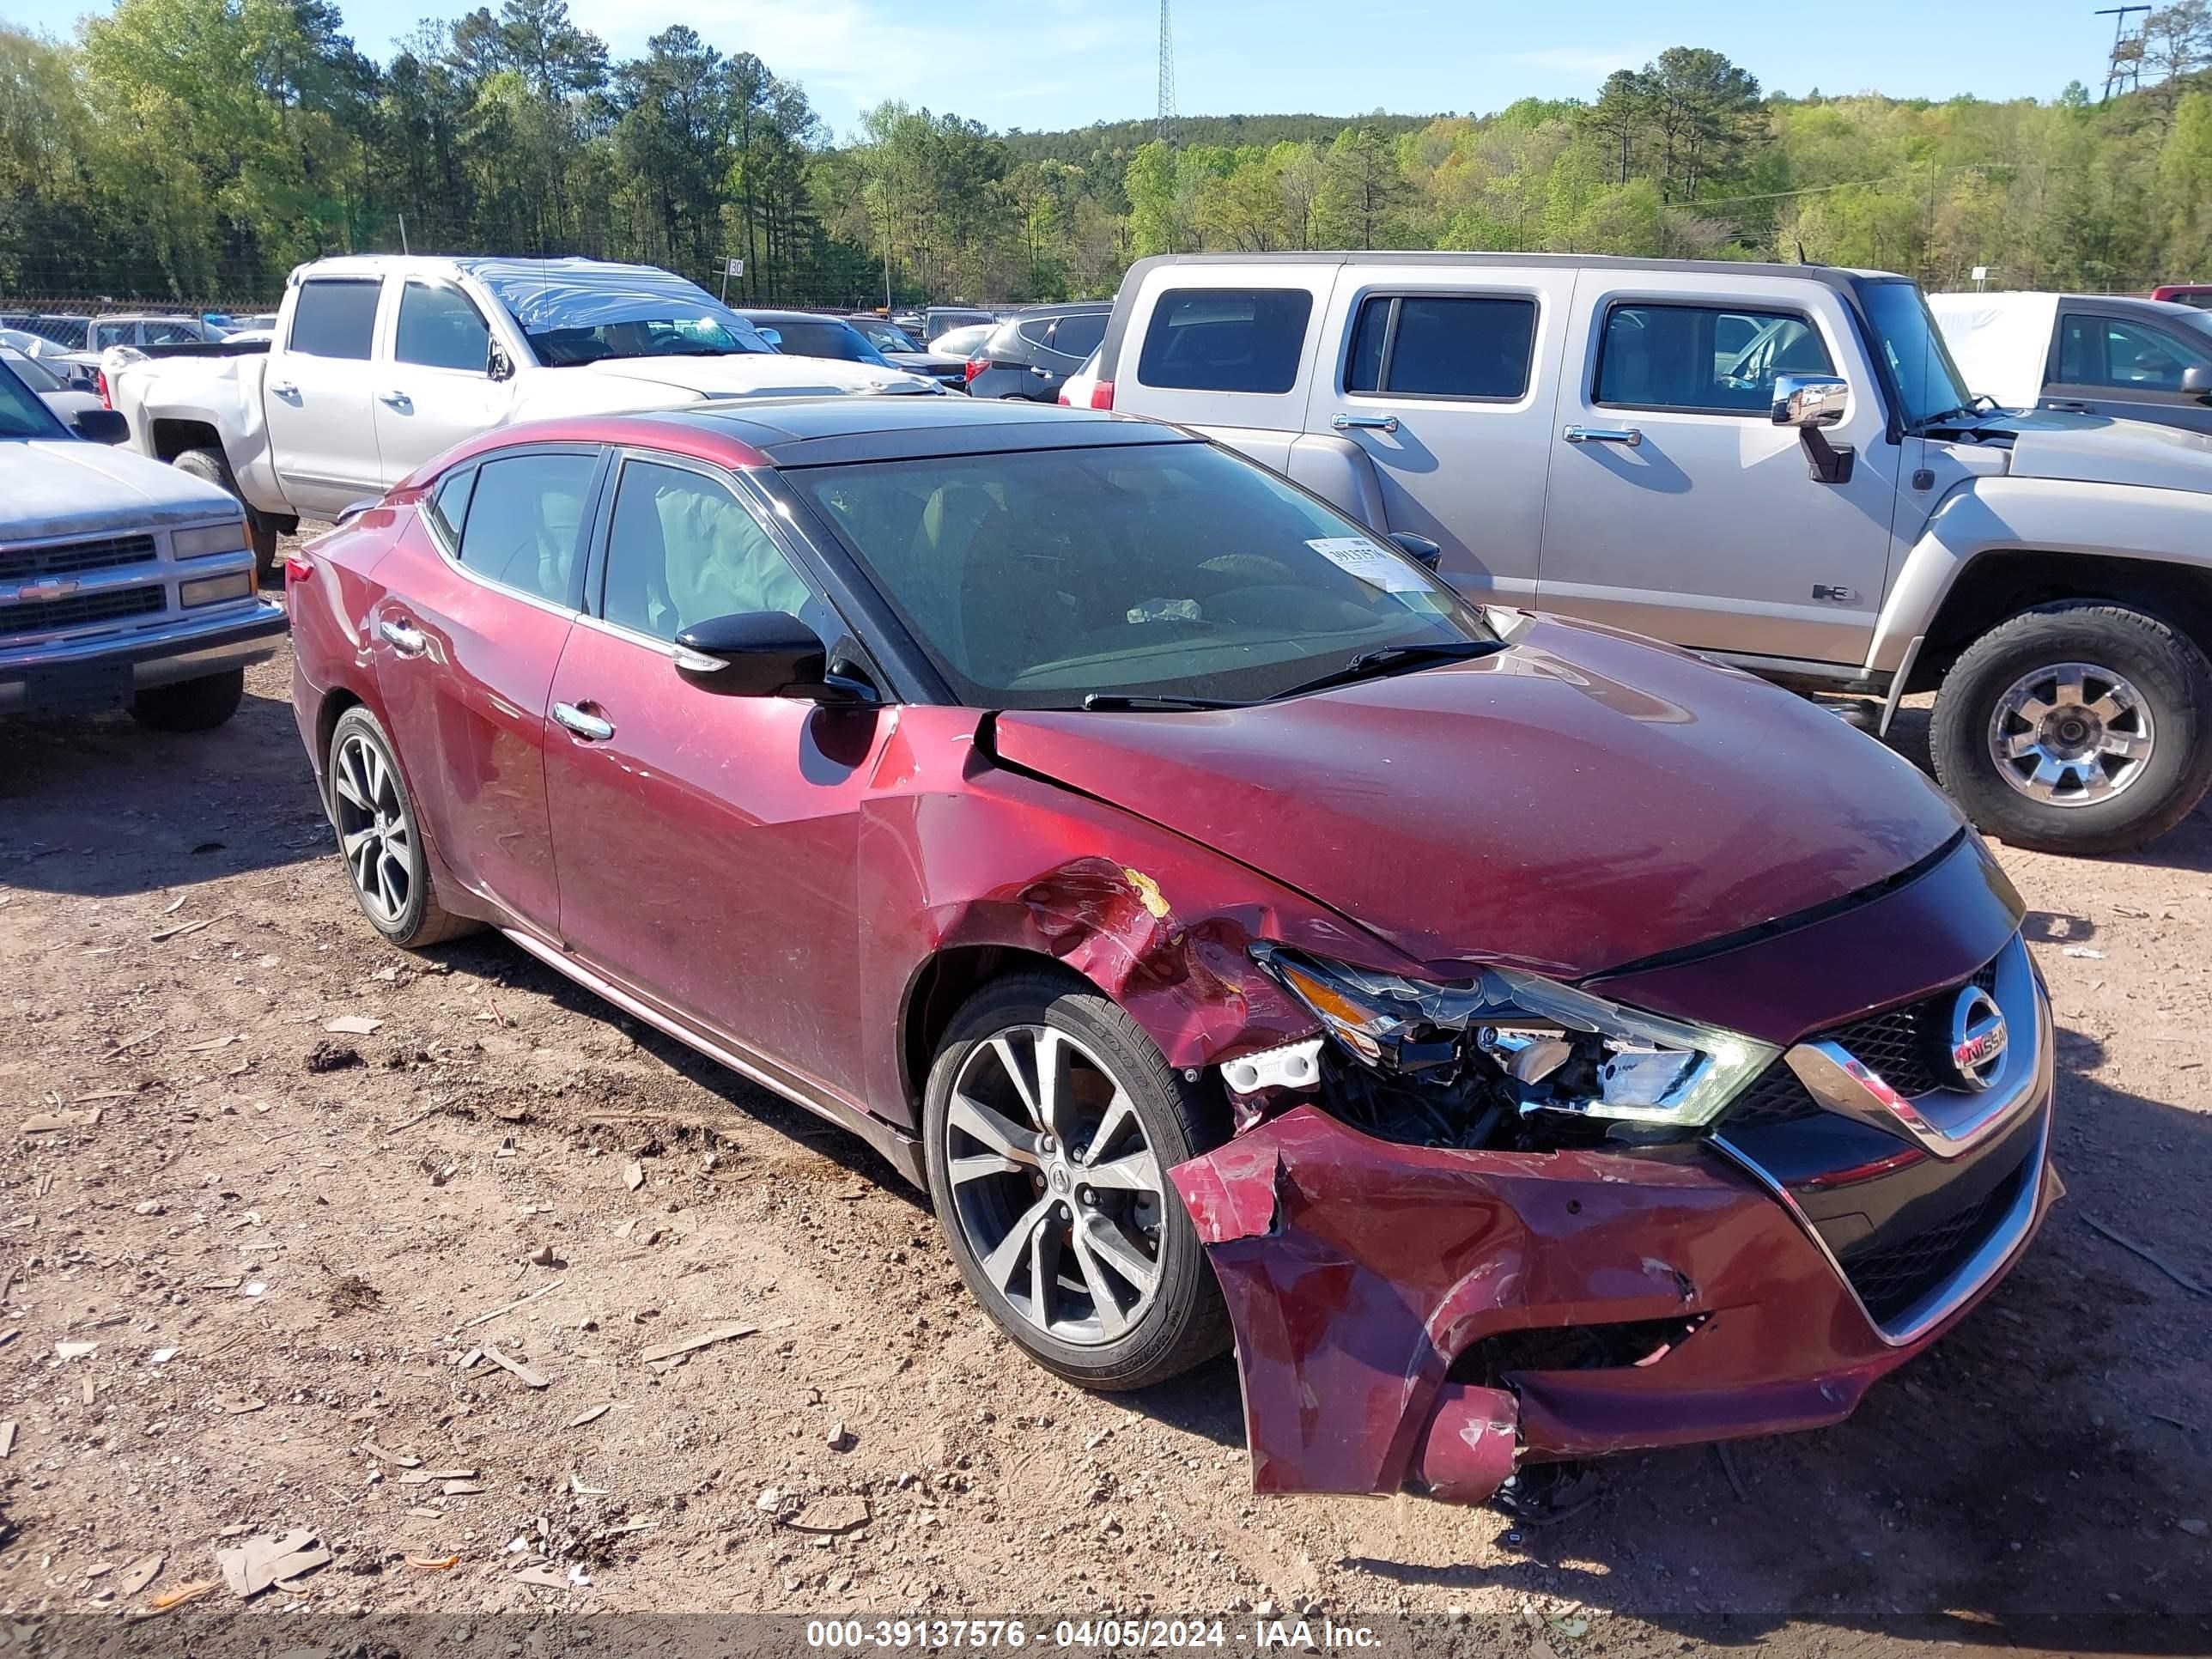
(1041, 63)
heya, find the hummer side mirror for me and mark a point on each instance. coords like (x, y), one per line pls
(1810, 402)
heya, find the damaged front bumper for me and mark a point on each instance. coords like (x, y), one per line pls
(1425, 1317)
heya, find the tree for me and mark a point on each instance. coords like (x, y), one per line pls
(1703, 107)
(2176, 43)
(1361, 186)
(1618, 117)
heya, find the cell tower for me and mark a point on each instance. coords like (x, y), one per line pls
(2124, 70)
(1165, 127)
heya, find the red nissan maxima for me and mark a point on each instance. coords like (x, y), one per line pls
(1531, 1041)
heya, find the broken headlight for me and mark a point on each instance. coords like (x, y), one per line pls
(1557, 1050)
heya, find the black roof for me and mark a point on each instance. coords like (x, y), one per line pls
(824, 431)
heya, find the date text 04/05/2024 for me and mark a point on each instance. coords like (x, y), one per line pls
(1108, 1633)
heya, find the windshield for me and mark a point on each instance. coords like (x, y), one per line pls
(1920, 364)
(799, 338)
(33, 372)
(657, 336)
(960, 342)
(21, 415)
(885, 338)
(1036, 579)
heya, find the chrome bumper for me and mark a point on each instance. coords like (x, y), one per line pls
(67, 674)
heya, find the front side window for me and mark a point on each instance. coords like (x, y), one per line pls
(438, 328)
(1703, 358)
(1432, 346)
(2125, 356)
(111, 334)
(335, 317)
(1036, 579)
(1205, 339)
(682, 550)
(526, 522)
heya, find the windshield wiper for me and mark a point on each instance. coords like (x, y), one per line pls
(1113, 700)
(1391, 658)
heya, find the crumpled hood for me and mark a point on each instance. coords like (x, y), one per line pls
(758, 374)
(67, 487)
(1582, 799)
(2093, 449)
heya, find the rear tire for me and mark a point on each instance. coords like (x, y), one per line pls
(2110, 711)
(198, 705)
(1102, 1176)
(209, 466)
(380, 839)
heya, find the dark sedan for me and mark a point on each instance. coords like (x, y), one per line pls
(1533, 1041)
(1031, 356)
(949, 369)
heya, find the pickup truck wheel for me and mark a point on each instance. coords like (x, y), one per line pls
(1050, 1121)
(380, 838)
(198, 705)
(210, 467)
(2076, 727)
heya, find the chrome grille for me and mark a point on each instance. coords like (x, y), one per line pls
(52, 616)
(105, 553)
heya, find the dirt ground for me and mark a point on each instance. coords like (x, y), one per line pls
(284, 1241)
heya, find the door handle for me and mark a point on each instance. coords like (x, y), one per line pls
(397, 399)
(590, 727)
(1041, 371)
(284, 388)
(403, 636)
(1363, 422)
(1632, 436)
(2068, 406)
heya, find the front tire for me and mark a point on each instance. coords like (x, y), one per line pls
(380, 839)
(1050, 1121)
(199, 705)
(2076, 727)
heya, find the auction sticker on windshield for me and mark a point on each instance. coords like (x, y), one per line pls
(1375, 565)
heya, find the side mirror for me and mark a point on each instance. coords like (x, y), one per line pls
(1420, 547)
(496, 364)
(2197, 381)
(102, 426)
(1809, 400)
(763, 654)
(771, 335)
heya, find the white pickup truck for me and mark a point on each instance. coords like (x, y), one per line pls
(1776, 466)
(379, 363)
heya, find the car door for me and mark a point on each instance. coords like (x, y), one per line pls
(2103, 363)
(434, 387)
(1068, 341)
(478, 600)
(1446, 381)
(708, 845)
(1676, 508)
(317, 395)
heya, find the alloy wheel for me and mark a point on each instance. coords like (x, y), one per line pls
(2070, 734)
(374, 833)
(1056, 1190)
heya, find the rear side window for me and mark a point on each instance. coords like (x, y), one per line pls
(1079, 336)
(335, 317)
(449, 505)
(1703, 358)
(438, 328)
(1036, 333)
(1203, 339)
(526, 522)
(1430, 346)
